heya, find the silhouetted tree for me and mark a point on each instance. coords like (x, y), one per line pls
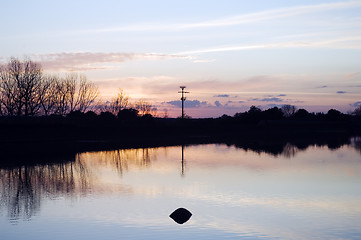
(117, 103)
(21, 87)
(357, 111)
(301, 114)
(253, 115)
(107, 116)
(274, 113)
(226, 117)
(288, 110)
(127, 114)
(335, 115)
(79, 93)
(254, 110)
(76, 114)
(147, 117)
(25, 91)
(50, 99)
(90, 115)
(145, 107)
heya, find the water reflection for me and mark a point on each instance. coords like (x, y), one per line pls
(356, 143)
(25, 187)
(183, 162)
(291, 148)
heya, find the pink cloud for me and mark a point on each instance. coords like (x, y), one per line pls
(352, 76)
(93, 61)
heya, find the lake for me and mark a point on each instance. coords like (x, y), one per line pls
(308, 192)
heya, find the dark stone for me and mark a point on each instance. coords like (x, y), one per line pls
(181, 215)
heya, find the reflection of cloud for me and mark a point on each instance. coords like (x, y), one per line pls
(294, 204)
(92, 61)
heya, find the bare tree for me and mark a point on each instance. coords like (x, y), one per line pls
(25, 91)
(288, 110)
(50, 99)
(63, 89)
(117, 103)
(7, 92)
(70, 93)
(2, 112)
(145, 107)
(32, 87)
(87, 92)
(20, 87)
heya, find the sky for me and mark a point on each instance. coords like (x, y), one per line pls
(229, 54)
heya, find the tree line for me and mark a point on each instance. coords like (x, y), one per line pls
(26, 91)
(290, 112)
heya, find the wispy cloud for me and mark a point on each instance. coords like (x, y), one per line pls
(269, 99)
(222, 95)
(353, 42)
(234, 20)
(195, 60)
(352, 76)
(81, 61)
(274, 14)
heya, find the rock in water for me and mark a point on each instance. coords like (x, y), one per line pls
(181, 215)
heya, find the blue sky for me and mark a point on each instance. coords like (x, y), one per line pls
(229, 54)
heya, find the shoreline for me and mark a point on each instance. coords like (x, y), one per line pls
(33, 142)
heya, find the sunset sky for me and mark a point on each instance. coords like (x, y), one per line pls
(229, 54)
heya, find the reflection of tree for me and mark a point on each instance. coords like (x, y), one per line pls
(23, 188)
(121, 159)
(18, 192)
(356, 143)
(289, 150)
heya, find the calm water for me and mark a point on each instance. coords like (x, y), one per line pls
(313, 193)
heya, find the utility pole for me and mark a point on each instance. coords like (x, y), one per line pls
(183, 99)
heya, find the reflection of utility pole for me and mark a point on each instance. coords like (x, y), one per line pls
(183, 99)
(182, 160)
